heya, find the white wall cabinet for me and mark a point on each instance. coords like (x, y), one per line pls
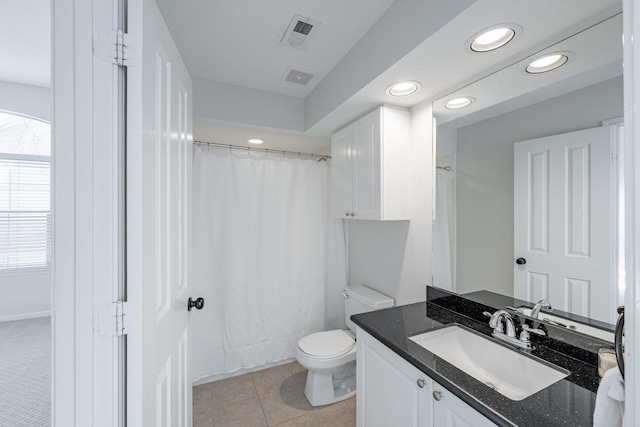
(392, 392)
(369, 167)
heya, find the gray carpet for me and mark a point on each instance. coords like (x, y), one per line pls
(25, 373)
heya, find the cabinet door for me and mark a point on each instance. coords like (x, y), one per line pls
(341, 178)
(367, 170)
(450, 411)
(388, 390)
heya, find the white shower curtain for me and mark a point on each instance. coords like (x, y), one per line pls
(267, 259)
(441, 239)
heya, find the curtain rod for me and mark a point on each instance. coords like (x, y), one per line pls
(321, 157)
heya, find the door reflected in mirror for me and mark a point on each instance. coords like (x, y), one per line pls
(554, 233)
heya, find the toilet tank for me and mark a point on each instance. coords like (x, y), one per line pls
(361, 299)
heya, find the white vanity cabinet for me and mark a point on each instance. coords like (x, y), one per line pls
(392, 392)
(450, 411)
(370, 165)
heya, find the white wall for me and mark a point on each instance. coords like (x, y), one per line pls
(485, 177)
(405, 25)
(220, 101)
(27, 100)
(447, 140)
(275, 139)
(25, 295)
(394, 257)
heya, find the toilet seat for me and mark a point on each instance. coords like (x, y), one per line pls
(327, 344)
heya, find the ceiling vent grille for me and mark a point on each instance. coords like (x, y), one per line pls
(299, 32)
(298, 76)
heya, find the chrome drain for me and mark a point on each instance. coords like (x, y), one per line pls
(490, 385)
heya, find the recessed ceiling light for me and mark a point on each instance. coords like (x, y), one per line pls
(255, 141)
(455, 103)
(403, 88)
(547, 63)
(492, 38)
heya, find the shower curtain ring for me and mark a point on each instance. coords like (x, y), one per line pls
(266, 152)
(229, 148)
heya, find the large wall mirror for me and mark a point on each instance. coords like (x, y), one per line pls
(528, 188)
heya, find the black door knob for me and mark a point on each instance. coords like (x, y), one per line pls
(198, 304)
(521, 261)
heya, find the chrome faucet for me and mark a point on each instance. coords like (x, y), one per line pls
(496, 324)
(543, 303)
(501, 317)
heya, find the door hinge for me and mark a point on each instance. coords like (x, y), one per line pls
(112, 319)
(114, 48)
(121, 48)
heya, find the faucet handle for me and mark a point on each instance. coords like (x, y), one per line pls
(494, 322)
(526, 330)
(546, 305)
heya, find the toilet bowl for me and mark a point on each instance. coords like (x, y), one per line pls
(330, 356)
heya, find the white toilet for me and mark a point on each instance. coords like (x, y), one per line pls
(330, 356)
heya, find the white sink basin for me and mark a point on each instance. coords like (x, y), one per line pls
(574, 326)
(507, 371)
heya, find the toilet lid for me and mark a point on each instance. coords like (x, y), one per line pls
(327, 343)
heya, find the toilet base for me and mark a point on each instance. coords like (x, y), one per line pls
(321, 388)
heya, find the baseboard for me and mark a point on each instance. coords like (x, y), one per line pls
(25, 316)
(222, 376)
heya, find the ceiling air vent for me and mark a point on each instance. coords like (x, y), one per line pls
(298, 76)
(299, 32)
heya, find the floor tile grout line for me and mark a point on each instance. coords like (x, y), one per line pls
(284, 422)
(264, 414)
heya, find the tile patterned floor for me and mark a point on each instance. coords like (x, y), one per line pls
(25, 373)
(271, 397)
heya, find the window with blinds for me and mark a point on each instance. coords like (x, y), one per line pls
(25, 193)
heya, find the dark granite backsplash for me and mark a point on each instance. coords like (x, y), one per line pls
(557, 339)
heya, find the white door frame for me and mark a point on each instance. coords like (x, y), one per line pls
(632, 187)
(85, 210)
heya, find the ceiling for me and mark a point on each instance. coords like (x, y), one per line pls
(442, 63)
(360, 48)
(238, 42)
(25, 42)
(595, 56)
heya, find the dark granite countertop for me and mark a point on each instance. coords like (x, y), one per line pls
(568, 402)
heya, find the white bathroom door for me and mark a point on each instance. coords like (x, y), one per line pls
(159, 224)
(562, 219)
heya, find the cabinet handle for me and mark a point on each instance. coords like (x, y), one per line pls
(352, 214)
(420, 383)
(437, 395)
(347, 214)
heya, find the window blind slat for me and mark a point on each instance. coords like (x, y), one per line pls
(25, 213)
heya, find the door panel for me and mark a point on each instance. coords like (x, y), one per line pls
(388, 389)
(539, 202)
(366, 164)
(341, 178)
(159, 224)
(562, 195)
(451, 411)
